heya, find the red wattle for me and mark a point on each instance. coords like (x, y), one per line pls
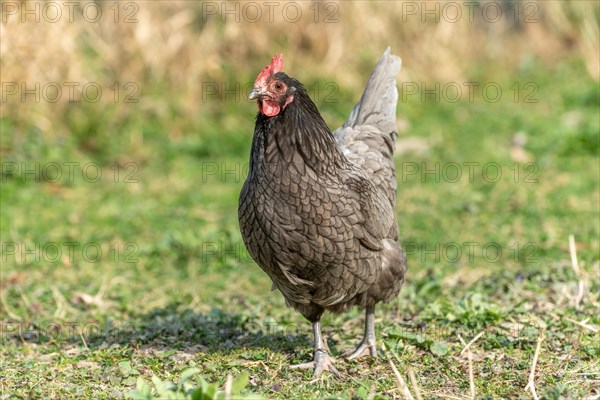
(269, 108)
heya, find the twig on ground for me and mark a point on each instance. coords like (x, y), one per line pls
(575, 265)
(531, 381)
(372, 393)
(470, 358)
(228, 385)
(83, 340)
(480, 334)
(584, 324)
(413, 381)
(401, 382)
(471, 378)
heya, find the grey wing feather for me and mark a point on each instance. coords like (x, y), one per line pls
(367, 137)
(377, 106)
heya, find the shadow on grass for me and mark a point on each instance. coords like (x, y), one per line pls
(169, 328)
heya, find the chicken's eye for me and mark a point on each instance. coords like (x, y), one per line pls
(278, 86)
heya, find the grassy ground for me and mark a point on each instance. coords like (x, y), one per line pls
(141, 272)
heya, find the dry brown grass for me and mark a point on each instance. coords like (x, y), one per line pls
(176, 46)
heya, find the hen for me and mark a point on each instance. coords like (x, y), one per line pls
(316, 212)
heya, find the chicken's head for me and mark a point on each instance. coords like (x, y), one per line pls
(272, 88)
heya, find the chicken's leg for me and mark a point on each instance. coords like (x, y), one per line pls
(322, 361)
(368, 346)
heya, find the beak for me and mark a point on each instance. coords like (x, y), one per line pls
(254, 93)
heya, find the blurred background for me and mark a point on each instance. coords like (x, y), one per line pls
(125, 139)
(185, 63)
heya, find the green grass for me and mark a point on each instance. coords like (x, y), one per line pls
(173, 287)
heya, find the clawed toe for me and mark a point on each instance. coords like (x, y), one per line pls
(323, 362)
(308, 365)
(362, 350)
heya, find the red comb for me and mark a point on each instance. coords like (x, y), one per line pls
(275, 67)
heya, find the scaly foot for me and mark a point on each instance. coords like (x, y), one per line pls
(367, 346)
(362, 350)
(322, 362)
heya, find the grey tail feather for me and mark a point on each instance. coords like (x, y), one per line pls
(377, 106)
